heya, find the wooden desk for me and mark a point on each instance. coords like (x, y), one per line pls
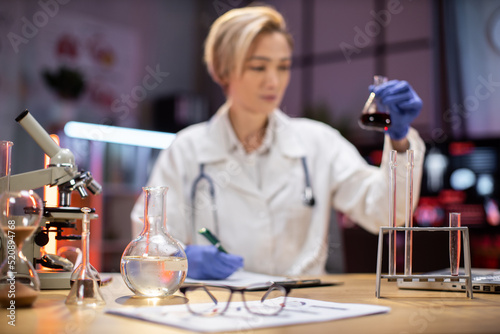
(411, 311)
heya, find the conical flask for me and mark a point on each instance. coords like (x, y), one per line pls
(375, 115)
(85, 290)
(20, 214)
(154, 264)
(76, 273)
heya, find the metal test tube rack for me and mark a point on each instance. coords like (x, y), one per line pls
(425, 278)
(392, 275)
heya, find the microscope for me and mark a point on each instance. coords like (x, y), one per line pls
(54, 271)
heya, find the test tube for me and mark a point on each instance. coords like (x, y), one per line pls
(392, 211)
(454, 243)
(5, 156)
(409, 213)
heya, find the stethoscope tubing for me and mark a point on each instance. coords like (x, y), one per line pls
(308, 195)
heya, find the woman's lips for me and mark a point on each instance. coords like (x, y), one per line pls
(269, 98)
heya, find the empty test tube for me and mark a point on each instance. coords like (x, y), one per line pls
(409, 213)
(454, 244)
(392, 211)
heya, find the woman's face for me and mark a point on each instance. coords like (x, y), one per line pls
(265, 77)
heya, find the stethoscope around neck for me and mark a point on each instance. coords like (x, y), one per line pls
(307, 195)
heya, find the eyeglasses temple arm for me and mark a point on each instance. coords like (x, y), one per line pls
(211, 296)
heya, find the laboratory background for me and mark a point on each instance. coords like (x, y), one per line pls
(138, 65)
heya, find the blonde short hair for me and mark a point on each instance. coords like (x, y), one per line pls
(232, 35)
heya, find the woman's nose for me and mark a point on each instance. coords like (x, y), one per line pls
(272, 78)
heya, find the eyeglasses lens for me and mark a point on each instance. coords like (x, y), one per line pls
(271, 303)
(207, 301)
(212, 301)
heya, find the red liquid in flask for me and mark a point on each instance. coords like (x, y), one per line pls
(375, 121)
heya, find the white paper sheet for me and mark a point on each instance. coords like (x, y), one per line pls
(237, 318)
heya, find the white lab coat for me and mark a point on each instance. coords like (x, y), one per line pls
(269, 225)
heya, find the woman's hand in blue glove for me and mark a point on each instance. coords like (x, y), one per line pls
(403, 103)
(207, 262)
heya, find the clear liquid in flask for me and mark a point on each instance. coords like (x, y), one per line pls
(154, 276)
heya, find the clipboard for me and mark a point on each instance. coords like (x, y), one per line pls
(259, 282)
(306, 283)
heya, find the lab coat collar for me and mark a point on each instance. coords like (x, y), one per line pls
(287, 138)
(214, 145)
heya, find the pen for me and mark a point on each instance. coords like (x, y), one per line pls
(212, 238)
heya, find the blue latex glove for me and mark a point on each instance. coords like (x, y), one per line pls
(403, 103)
(207, 262)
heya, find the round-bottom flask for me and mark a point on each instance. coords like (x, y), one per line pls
(154, 264)
(20, 214)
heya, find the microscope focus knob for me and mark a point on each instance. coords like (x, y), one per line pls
(41, 238)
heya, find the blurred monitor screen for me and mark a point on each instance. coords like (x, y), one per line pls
(461, 176)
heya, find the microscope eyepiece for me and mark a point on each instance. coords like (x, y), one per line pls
(38, 133)
(93, 186)
(22, 115)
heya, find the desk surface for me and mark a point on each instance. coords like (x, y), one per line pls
(411, 311)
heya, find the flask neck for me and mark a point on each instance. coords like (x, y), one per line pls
(378, 106)
(155, 209)
(379, 80)
(153, 225)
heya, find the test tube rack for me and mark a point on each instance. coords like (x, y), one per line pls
(425, 278)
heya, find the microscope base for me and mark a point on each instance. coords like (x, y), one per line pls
(54, 279)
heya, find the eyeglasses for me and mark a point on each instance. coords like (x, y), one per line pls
(213, 301)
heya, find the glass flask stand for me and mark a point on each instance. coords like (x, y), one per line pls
(154, 264)
(85, 289)
(20, 214)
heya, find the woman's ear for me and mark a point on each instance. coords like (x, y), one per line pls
(224, 84)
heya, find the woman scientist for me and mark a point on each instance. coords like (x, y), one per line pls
(263, 182)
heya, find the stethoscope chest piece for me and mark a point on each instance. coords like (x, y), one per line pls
(308, 197)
